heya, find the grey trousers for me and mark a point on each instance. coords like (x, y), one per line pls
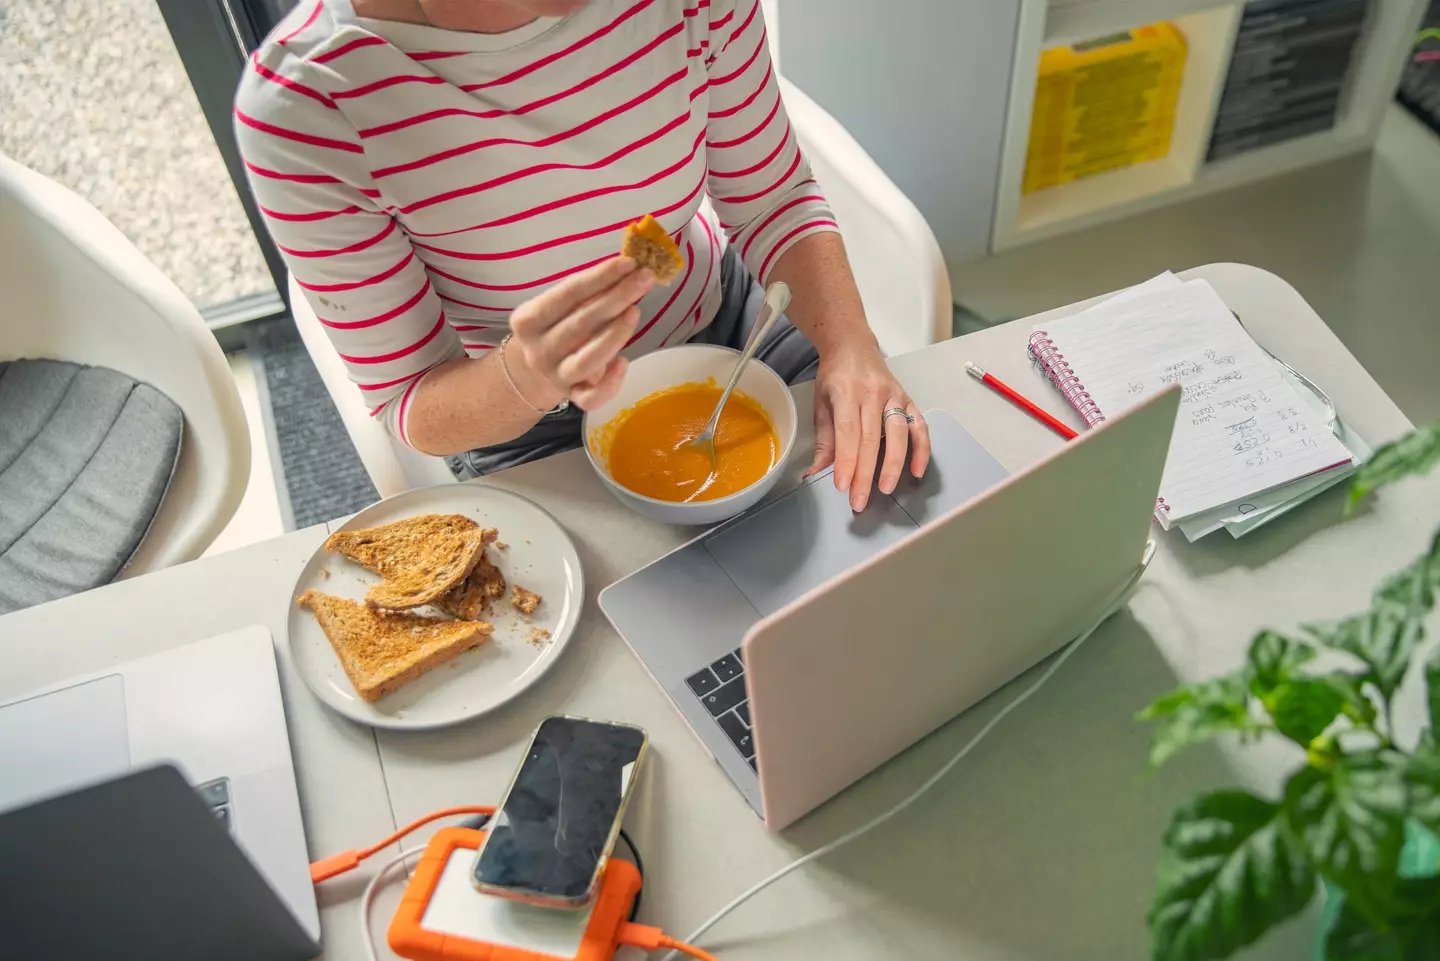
(786, 351)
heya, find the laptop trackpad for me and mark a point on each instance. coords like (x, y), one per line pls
(802, 540)
(59, 741)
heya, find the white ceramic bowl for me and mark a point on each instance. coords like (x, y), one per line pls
(687, 364)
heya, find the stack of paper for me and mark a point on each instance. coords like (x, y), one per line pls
(1250, 441)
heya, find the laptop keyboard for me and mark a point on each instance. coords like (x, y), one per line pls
(216, 794)
(721, 688)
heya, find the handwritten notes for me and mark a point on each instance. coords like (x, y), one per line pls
(1241, 431)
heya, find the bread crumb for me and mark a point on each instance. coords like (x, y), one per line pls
(524, 601)
(501, 546)
(325, 573)
(538, 636)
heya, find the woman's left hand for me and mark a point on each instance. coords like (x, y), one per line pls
(853, 389)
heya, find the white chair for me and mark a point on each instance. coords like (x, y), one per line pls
(893, 253)
(392, 466)
(897, 264)
(75, 289)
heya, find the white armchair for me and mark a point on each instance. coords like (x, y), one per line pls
(76, 289)
(893, 253)
(896, 259)
(392, 466)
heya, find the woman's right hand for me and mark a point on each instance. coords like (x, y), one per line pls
(566, 343)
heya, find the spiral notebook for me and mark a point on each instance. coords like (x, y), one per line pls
(1242, 430)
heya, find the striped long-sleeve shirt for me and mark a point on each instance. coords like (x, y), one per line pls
(422, 183)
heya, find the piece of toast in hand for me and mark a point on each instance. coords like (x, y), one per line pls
(421, 558)
(382, 651)
(474, 595)
(651, 247)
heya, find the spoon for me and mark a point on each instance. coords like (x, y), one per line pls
(777, 298)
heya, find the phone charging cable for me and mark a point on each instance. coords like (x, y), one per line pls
(642, 936)
(649, 938)
(1116, 601)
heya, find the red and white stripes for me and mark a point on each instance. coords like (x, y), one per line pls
(423, 183)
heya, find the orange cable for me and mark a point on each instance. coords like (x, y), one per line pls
(650, 939)
(690, 949)
(326, 868)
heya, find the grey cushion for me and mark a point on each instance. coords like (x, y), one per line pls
(86, 455)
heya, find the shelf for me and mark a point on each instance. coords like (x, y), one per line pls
(1209, 27)
(1067, 21)
(1209, 36)
(1074, 202)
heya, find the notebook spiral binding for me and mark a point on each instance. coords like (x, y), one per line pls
(1045, 355)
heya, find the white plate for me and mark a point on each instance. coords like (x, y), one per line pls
(540, 557)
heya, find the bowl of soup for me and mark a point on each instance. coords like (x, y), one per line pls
(637, 441)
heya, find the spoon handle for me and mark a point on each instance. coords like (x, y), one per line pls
(777, 298)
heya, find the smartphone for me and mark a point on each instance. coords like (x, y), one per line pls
(550, 839)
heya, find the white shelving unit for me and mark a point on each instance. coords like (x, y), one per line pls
(1209, 27)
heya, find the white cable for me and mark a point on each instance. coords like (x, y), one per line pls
(1115, 604)
(368, 898)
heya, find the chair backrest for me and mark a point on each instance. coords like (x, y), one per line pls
(893, 253)
(393, 467)
(76, 289)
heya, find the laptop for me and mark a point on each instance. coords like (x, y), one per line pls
(807, 645)
(137, 867)
(213, 710)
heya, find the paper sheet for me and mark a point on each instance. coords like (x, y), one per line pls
(1242, 517)
(1242, 430)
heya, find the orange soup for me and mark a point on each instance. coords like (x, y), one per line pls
(647, 450)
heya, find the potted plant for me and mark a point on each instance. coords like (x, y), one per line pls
(1361, 814)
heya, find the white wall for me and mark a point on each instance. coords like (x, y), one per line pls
(923, 85)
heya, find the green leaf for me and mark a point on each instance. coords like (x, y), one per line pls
(1383, 638)
(1417, 918)
(1432, 686)
(1304, 708)
(1354, 704)
(1422, 777)
(1425, 941)
(1409, 932)
(1231, 870)
(1350, 817)
(1353, 939)
(1412, 588)
(1415, 453)
(1386, 636)
(1274, 658)
(1197, 712)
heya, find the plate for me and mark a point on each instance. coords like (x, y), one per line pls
(540, 557)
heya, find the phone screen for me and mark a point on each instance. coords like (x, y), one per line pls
(556, 827)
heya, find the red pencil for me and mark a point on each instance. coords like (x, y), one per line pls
(1010, 394)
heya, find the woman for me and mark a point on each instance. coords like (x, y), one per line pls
(448, 181)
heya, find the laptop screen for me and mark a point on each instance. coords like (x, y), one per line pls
(136, 867)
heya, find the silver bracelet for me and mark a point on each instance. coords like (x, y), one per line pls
(509, 379)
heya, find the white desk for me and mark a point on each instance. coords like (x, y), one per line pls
(1040, 846)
